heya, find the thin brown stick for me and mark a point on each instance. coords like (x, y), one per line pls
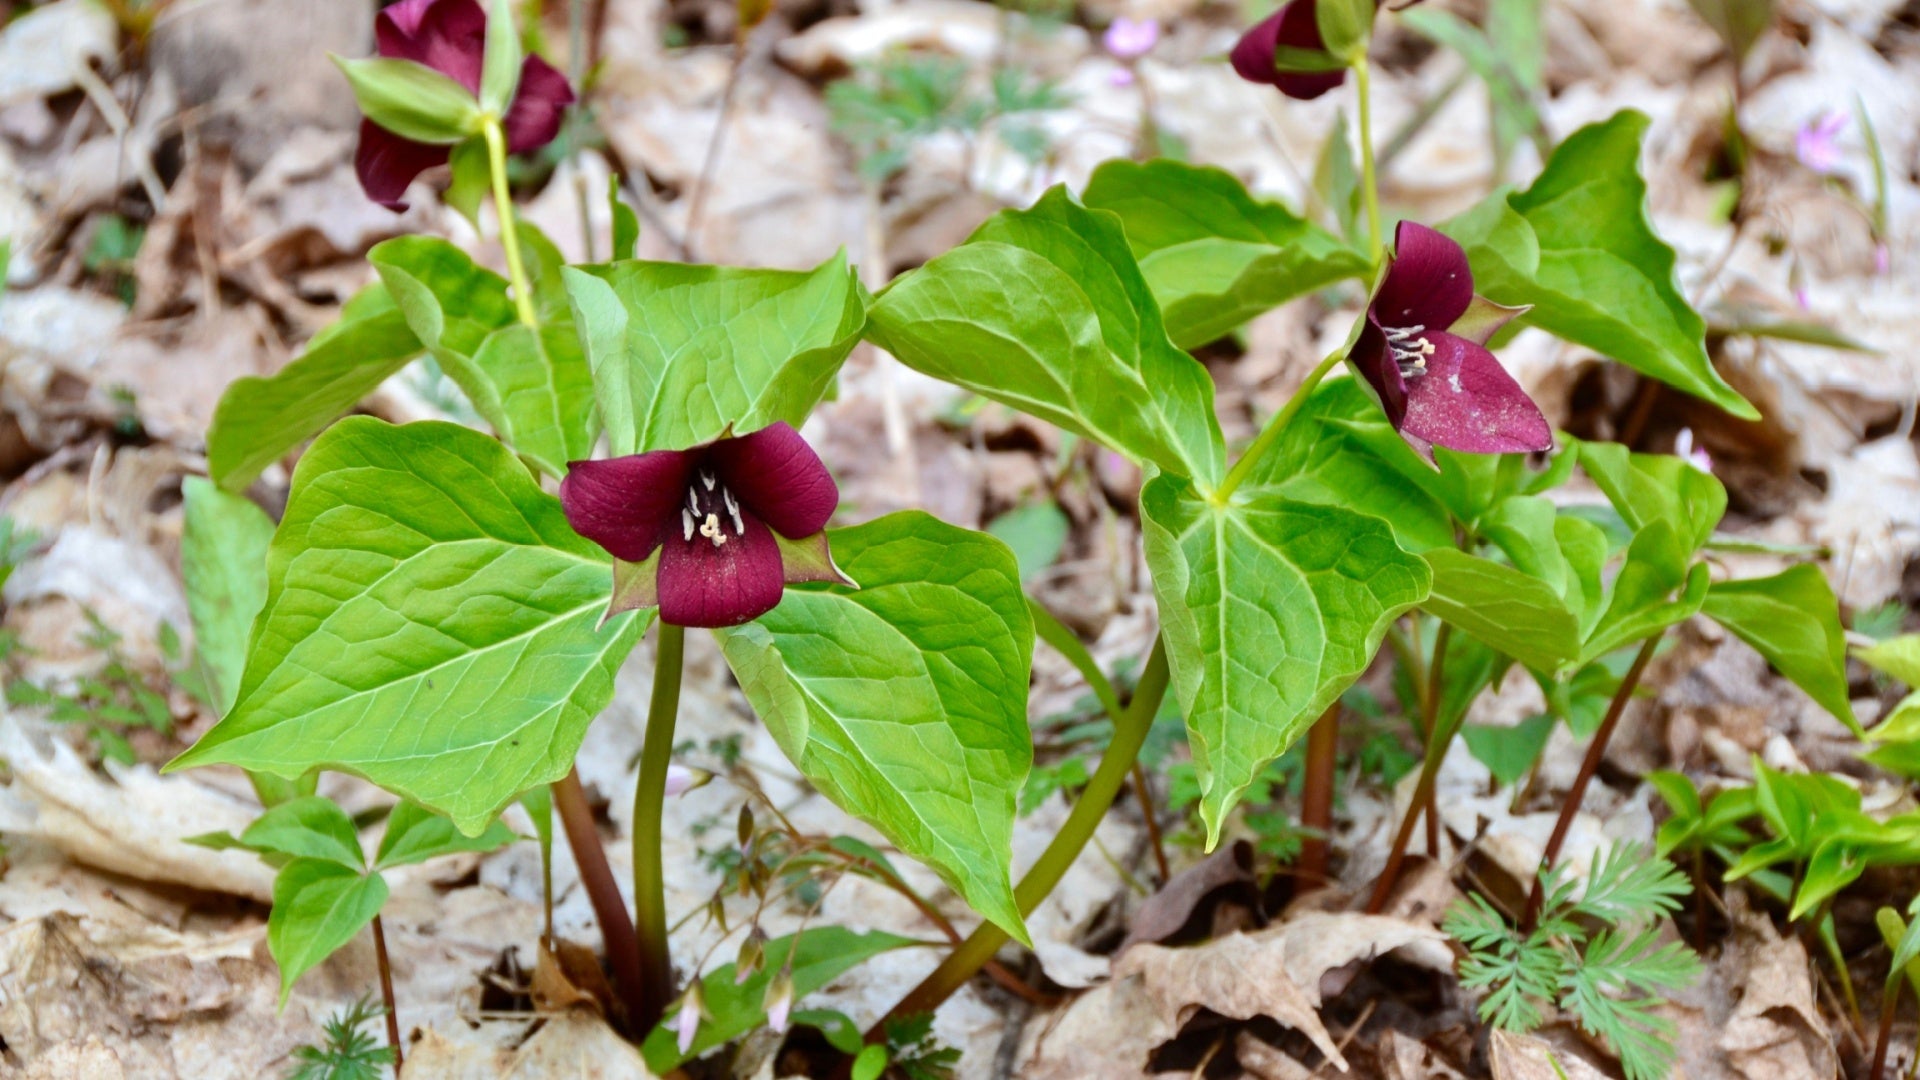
(1435, 676)
(1596, 751)
(1316, 795)
(1423, 803)
(596, 876)
(1144, 792)
(386, 991)
(1889, 1005)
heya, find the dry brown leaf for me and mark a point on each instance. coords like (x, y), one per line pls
(1265, 1062)
(1165, 912)
(1403, 1057)
(1775, 1031)
(576, 1045)
(1525, 1057)
(1107, 1033)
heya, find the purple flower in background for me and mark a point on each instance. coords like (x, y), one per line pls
(1130, 39)
(1423, 351)
(1817, 144)
(450, 36)
(1882, 259)
(1295, 25)
(1694, 455)
(681, 779)
(686, 1025)
(712, 534)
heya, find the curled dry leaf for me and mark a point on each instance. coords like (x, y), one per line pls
(1276, 973)
(576, 1043)
(1165, 912)
(136, 826)
(1775, 1031)
(1525, 1057)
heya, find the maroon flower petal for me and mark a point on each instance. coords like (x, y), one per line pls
(538, 106)
(1429, 284)
(1467, 401)
(707, 584)
(449, 36)
(1375, 364)
(1295, 25)
(629, 504)
(387, 163)
(778, 477)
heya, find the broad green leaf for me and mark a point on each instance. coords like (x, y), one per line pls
(412, 100)
(681, 354)
(1036, 532)
(1508, 751)
(416, 834)
(532, 385)
(1214, 255)
(309, 827)
(1321, 457)
(1792, 619)
(432, 624)
(259, 420)
(317, 908)
(1567, 553)
(1046, 311)
(223, 562)
(1514, 612)
(1898, 657)
(626, 223)
(1579, 247)
(818, 957)
(470, 179)
(1654, 589)
(1646, 488)
(905, 700)
(1269, 609)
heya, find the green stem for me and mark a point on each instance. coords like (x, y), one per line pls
(509, 235)
(1271, 433)
(1369, 178)
(649, 880)
(1129, 733)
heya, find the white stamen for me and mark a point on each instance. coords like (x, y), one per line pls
(693, 501)
(739, 526)
(1409, 351)
(707, 478)
(732, 507)
(712, 531)
(686, 523)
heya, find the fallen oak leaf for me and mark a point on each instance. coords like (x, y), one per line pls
(1168, 911)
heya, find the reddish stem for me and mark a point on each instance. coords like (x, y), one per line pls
(1145, 794)
(1596, 752)
(596, 876)
(386, 991)
(1423, 801)
(1316, 795)
(1889, 1004)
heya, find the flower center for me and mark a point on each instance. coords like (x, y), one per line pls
(710, 509)
(1409, 349)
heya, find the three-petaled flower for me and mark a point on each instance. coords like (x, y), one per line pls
(712, 535)
(450, 36)
(1423, 351)
(1297, 26)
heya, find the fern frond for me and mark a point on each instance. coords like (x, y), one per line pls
(1609, 993)
(1630, 886)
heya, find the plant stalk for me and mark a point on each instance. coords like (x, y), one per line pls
(596, 876)
(1369, 176)
(386, 991)
(1423, 802)
(649, 795)
(1889, 1004)
(1596, 751)
(1316, 796)
(496, 138)
(1431, 706)
(1129, 733)
(1143, 791)
(1271, 433)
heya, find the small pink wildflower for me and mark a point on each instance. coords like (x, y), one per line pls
(1817, 144)
(1696, 456)
(1130, 39)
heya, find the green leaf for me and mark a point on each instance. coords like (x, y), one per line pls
(1792, 619)
(416, 834)
(1325, 456)
(905, 701)
(1646, 488)
(532, 386)
(1345, 26)
(1654, 589)
(309, 827)
(681, 354)
(1579, 247)
(1738, 22)
(1269, 609)
(1508, 751)
(818, 957)
(259, 420)
(626, 223)
(1045, 310)
(1511, 611)
(317, 908)
(871, 1062)
(1336, 182)
(472, 179)
(1898, 657)
(1567, 553)
(412, 100)
(432, 624)
(1214, 255)
(1036, 532)
(223, 562)
(500, 63)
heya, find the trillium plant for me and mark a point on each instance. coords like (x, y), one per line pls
(444, 611)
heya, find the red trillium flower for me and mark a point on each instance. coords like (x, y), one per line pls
(450, 36)
(713, 534)
(1423, 350)
(1295, 25)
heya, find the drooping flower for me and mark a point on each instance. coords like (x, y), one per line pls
(1296, 25)
(681, 779)
(686, 1025)
(1693, 454)
(1423, 351)
(450, 36)
(1130, 39)
(1817, 145)
(780, 1000)
(713, 534)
